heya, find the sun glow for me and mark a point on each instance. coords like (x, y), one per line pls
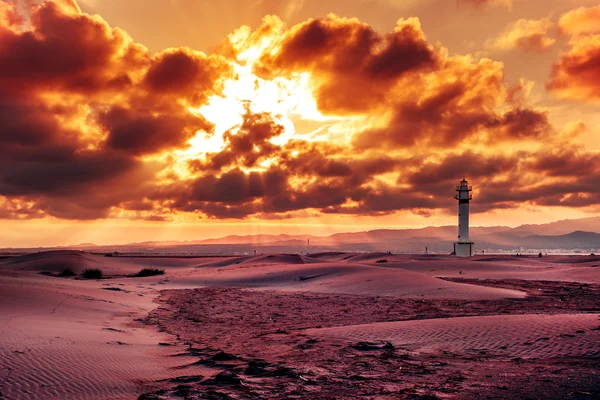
(280, 97)
(284, 98)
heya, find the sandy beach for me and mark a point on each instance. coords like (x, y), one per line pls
(320, 326)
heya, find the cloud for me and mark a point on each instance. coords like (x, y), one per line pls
(8, 15)
(454, 104)
(576, 75)
(94, 126)
(352, 65)
(562, 177)
(567, 162)
(184, 72)
(17, 208)
(526, 35)
(247, 147)
(473, 165)
(80, 102)
(143, 131)
(68, 51)
(582, 20)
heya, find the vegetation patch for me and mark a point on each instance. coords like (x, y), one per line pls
(92, 273)
(149, 272)
(67, 272)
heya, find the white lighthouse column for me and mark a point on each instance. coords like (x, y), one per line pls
(463, 221)
(464, 247)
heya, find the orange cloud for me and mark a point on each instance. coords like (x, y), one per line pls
(525, 34)
(577, 74)
(455, 104)
(582, 20)
(8, 15)
(353, 65)
(77, 109)
(94, 126)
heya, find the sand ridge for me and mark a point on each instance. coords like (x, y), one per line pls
(336, 277)
(529, 335)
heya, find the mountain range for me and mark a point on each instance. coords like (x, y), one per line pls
(583, 234)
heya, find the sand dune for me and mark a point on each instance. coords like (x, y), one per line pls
(355, 274)
(338, 277)
(52, 261)
(261, 259)
(74, 338)
(556, 268)
(565, 268)
(367, 257)
(71, 339)
(540, 336)
(55, 261)
(278, 259)
(329, 255)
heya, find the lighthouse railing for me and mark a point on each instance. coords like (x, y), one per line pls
(457, 197)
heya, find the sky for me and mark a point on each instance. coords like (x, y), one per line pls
(126, 121)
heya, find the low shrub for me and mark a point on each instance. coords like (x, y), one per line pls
(381, 261)
(92, 273)
(149, 272)
(67, 272)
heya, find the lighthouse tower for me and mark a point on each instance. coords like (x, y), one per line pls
(464, 247)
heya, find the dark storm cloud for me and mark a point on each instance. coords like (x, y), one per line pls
(140, 131)
(184, 72)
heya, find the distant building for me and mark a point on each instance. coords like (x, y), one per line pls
(464, 247)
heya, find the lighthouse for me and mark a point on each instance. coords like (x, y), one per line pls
(464, 247)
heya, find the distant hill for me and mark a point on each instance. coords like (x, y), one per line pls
(573, 240)
(563, 227)
(492, 234)
(256, 239)
(566, 234)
